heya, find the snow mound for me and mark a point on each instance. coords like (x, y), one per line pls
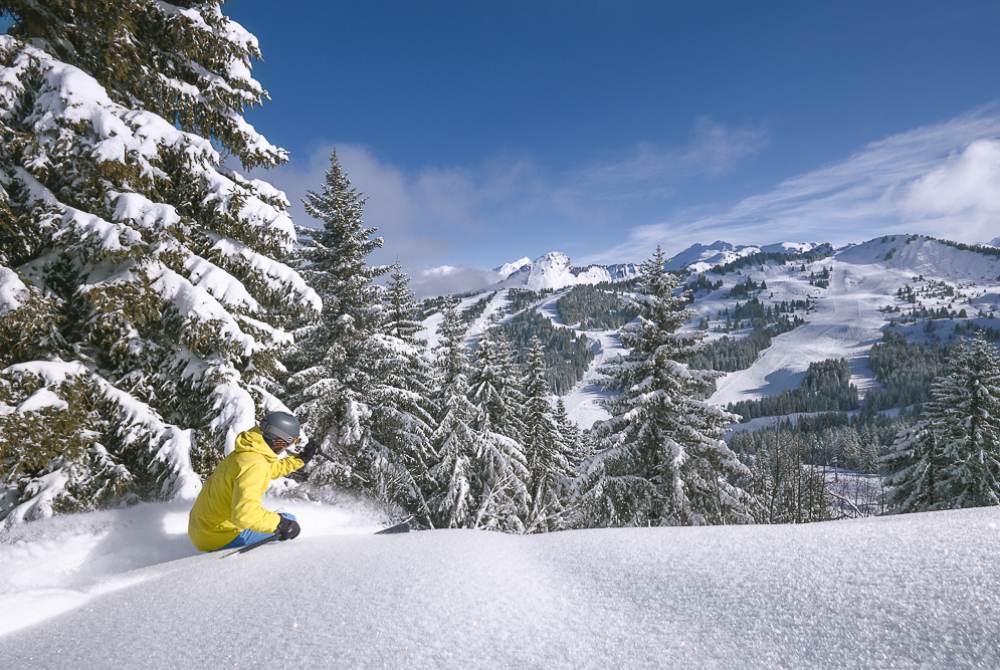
(904, 591)
(13, 292)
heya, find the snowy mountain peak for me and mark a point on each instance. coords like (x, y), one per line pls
(550, 271)
(995, 242)
(554, 270)
(507, 269)
(554, 260)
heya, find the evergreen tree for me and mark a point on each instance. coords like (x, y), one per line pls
(571, 436)
(951, 458)
(358, 380)
(145, 285)
(662, 460)
(913, 466)
(480, 474)
(401, 308)
(550, 464)
(404, 411)
(496, 387)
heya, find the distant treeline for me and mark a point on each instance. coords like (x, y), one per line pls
(826, 387)
(596, 308)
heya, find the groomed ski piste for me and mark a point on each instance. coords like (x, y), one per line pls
(124, 589)
(848, 318)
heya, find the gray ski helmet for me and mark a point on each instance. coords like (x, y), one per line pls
(280, 426)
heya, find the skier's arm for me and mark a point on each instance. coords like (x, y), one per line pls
(285, 466)
(247, 512)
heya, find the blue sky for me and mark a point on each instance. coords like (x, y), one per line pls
(487, 131)
(483, 132)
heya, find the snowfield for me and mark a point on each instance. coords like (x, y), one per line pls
(848, 319)
(893, 592)
(585, 401)
(846, 323)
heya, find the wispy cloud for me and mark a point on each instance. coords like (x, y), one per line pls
(715, 148)
(941, 179)
(650, 171)
(438, 214)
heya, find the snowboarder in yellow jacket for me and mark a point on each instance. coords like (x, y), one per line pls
(228, 511)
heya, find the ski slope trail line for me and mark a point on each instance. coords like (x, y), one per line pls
(845, 324)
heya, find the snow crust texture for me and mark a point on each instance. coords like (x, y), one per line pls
(911, 591)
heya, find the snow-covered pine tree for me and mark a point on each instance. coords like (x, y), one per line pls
(570, 434)
(550, 461)
(951, 458)
(403, 414)
(144, 285)
(496, 386)
(330, 381)
(662, 459)
(453, 502)
(401, 307)
(911, 466)
(350, 377)
(479, 474)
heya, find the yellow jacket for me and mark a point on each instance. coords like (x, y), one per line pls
(230, 499)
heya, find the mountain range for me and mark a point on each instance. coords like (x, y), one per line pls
(838, 302)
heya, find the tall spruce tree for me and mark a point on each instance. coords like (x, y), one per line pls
(496, 386)
(951, 458)
(351, 380)
(144, 284)
(662, 459)
(550, 459)
(404, 410)
(479, 475)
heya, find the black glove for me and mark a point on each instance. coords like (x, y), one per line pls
(288, 529)
(306, 454)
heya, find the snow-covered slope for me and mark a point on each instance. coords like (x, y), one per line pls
(848, 318)
(701, 257)
(995, 242)
(848, 294)
(903, 591)
(61, 563)
(788, 247)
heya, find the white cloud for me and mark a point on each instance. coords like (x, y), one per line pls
(963, 194)
(392, 205)
(445, 279)
(438, 213)
(940, 180)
